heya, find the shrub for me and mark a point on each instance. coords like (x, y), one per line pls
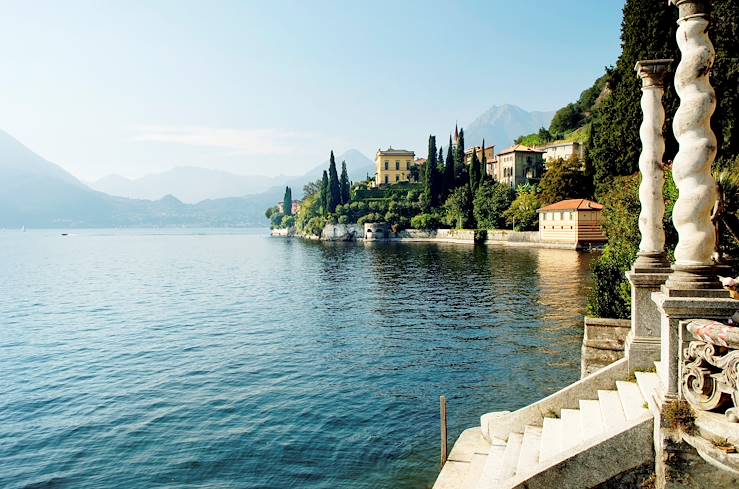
(424, 221)
(371, 217)
(343, 219)
(491, 201)
(315, 226)
(287, 221)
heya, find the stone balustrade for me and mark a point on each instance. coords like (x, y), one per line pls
(710, 367)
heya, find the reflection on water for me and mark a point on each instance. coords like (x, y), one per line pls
(206, 359)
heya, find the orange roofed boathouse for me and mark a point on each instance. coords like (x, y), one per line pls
(576, 221)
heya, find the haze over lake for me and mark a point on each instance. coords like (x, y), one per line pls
(216, 358)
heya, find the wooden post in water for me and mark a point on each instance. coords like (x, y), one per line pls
(442, 402)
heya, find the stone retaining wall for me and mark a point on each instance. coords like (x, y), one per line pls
(602, 343)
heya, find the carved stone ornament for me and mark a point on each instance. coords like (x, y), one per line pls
(711, 367)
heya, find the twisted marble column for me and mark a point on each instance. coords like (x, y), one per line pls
(692, 166)
(652, 247)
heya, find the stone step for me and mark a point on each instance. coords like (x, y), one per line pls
(648, 383)
(611, 409)
(571, 428)
(631, 399)
(474, 471)
(493, 464)
(529, 456)
(551, 439)
(591, 418)
(510, 456)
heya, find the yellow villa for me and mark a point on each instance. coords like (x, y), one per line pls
(393, 166)
(576, 221)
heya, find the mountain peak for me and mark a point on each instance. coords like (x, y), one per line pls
(501, 124)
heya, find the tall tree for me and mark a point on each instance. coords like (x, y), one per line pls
(474, 170)
(430, 180)
(344, 184)
(459, 166)
(287, 202)
(449, 182)
(564, 179)
(647, 32)
(483, 163)
(334, 188)
(324, 195)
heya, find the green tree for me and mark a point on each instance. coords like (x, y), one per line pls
(564, 179)
(474, 175)
(430, 179)
(334, 187)
(491, 201)
(324, 195)
(449, 182)
(287, 202)
(344, 184)
(311, 188)
(460, 170)
(566, 119)
(647, 32)
(522, 214)
(483, 163)
(458, 208)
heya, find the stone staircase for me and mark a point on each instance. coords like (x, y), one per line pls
(573, 448)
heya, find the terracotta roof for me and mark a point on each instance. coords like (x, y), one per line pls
(521, 148)
(573, 205)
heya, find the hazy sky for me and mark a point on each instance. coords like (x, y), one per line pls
(269, 87)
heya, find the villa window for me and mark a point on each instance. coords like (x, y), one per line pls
(397, 178)
(397, 165)
(407, 165)
(386, 178)
(386, 165)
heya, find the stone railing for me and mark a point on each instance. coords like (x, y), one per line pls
(710, 369)
(602, 343)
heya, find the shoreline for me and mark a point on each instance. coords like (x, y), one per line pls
(494, 237)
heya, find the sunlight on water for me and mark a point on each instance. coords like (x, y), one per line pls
(228, 359)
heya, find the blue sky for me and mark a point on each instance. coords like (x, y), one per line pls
(270, 88)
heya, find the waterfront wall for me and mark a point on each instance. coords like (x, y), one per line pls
(492, 237)
(602, 343)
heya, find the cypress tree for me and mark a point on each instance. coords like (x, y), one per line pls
(483, 163)
(459, 166)
(430, 180)
(334, 188)
(344, 184)
(474, 175)
(324, 193)
(449, 182)
(287, 202)
(647, 32)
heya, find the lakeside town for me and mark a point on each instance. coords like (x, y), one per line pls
(541, 193)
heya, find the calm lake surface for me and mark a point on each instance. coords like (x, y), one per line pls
(214, 359)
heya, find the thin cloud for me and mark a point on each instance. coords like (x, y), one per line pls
(241, 141)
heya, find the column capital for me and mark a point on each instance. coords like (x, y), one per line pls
(652, 71)
(690, 8)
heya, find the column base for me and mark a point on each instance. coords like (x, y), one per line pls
(642, 346)
(695, 281)
(642, 352)
(651, 262)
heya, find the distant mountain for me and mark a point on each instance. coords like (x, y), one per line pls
(193, 184)
(37, 193)
(501, 124)
(187, 183)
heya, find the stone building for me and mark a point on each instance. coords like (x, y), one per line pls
(519, 164)
(488, 152)
(393, 166)
(564, 150)
(295, 207)
(576, 221)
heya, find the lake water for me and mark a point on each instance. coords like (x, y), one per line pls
(214, 359)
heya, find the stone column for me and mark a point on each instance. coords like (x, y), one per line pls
(691, 170)
(692, 289)
(651, 268)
